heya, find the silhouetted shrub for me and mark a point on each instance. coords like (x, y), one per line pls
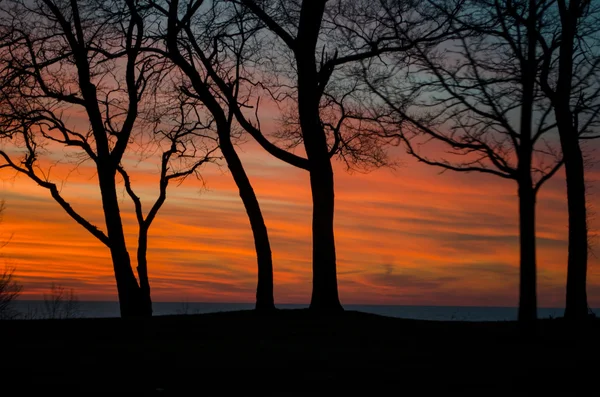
(61, 303)
(9, 291)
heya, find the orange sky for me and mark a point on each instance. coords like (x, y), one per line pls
(409, 236)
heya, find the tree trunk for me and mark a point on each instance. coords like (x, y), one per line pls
(264, 288)
(527, 280)
(527, 288)
(576, 302)
(130, 297)
(310, 90)
(325, 292)
(142, 269)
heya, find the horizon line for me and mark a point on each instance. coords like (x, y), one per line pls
(307, 304)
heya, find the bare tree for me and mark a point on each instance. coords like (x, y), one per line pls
(63, 58)
(302, 53)
(477, 96)
(571, 79)
(182, 30)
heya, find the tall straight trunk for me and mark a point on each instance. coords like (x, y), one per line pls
(310, 90)
(325, 291)
(130, 296)
(142, 269)
(527, 279)
(576, 300)
(264, 288)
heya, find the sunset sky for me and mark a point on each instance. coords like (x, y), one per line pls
(408, 236)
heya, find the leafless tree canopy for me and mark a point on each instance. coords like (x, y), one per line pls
(45, 102)
(350, 31)
(584, 73)
(465, 96)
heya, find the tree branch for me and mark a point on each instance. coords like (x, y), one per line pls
(57, 197)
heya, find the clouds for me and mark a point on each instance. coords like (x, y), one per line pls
(425, 283)
(410, 236)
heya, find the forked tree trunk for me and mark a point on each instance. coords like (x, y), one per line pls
(131, 301)
(264, 288)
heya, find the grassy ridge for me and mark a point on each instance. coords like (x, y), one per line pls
(294, 352)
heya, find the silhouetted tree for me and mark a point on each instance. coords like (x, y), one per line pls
(571, 79)
(63, 59)
(182, 33)
(303, 51)
(477, 95)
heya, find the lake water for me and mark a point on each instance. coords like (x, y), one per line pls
(447, 313)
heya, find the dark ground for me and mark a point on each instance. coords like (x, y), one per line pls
(294, 353)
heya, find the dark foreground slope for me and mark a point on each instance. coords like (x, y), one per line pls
(294, 353)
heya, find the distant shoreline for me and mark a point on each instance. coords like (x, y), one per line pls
(104, 309)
